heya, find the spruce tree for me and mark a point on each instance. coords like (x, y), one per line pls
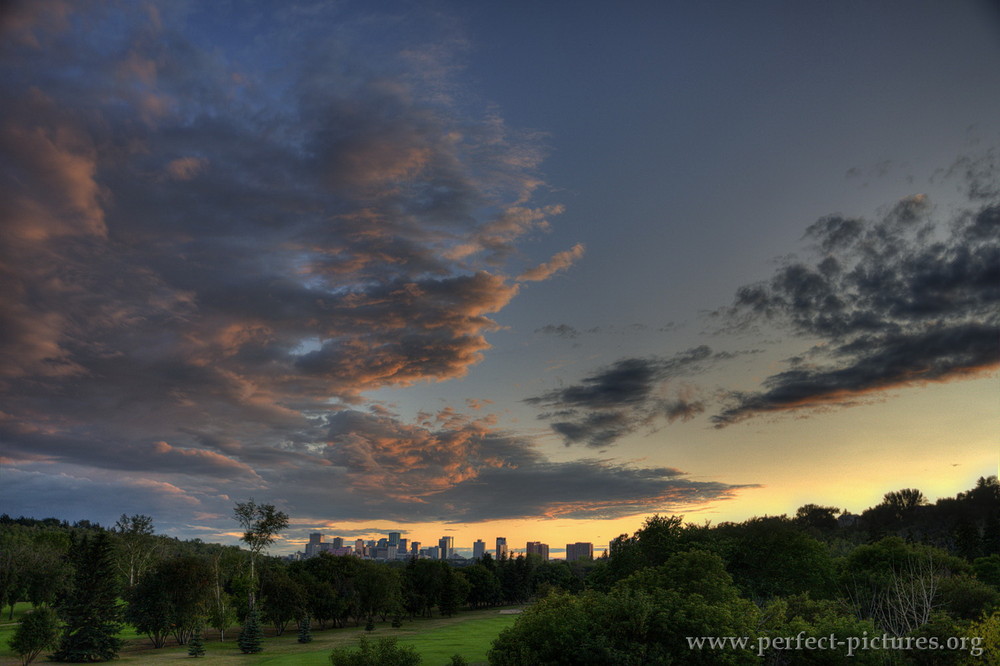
(251, 635)
(305, 635)
(196, 646)
(91, 612)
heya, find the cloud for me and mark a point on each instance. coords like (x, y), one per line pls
(629, 394)
(455, 468)
(210, 254)
(560, 330)
(898, 301)
(559, 262)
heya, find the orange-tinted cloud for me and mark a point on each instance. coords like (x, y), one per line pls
(559, 262)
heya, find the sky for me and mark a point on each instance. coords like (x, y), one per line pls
(533, 270)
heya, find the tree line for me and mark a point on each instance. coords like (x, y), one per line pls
(904, 567)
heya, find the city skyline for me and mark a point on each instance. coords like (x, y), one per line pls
(476, 550)
(473, 270)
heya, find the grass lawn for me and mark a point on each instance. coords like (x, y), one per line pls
(468, 633)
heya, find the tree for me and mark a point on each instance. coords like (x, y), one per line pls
(904, 501)
(221, 608)
(384, 652)
(251, 635)
(261, 524)
(196, 647)
(136, 546)
(820, 518)
(454, 590)
(38, 631)
(284, 599)
(91, 612)
(305, 635)
(172, 597)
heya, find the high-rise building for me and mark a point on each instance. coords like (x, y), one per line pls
(359, 547)
(315, 544)
(501, 547)
(338, 542)
(478, 549)
(394, 538)
(538, 548)
(579, 550)
(403, 546)
(415, 548)
(447, 546)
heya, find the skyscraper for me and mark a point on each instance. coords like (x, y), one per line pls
(478, 549)
(447, 546)
(501, 547)
(538, 548)
(579, 550)
(394, 538)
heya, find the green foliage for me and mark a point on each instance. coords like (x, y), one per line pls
(261, 524)
(251, 636)
(283, 599)
(91, 612)
(38, 631)
(458, 660)
(454, 590)
(172, 597)
(384, 652)
(967, 598)
(987, 632)
(630, 626)
(305, 633)
(196, 646)
(771, 557)
(136, 546)
(988, 570)
(818, 619)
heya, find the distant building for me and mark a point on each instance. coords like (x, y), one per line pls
(538, 548)
(415, 548)
(478, 549)
(403, 546)
(359, 547)
(338, 542)
(394, 538)
(501, 547)
(432, 552)
(446, 544)
(315, 544)
(579, 550)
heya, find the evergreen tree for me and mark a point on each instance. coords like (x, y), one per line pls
(305, 635)
(251, 635)
(91, 611)
(196, 646)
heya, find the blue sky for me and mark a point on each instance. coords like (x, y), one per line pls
(524, 269)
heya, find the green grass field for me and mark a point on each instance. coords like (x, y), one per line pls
(469, 634)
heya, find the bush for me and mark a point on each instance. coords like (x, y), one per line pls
(384, 652)
(38, 631)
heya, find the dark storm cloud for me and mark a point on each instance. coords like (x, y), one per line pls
(897, 301)
(627, 395)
